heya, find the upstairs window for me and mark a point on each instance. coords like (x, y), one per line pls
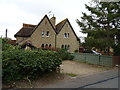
(47, 34)
(66, 35)
(42, 33)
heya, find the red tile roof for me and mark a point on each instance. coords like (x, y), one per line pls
(12, 42)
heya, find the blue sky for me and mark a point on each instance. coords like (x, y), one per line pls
(16, 12)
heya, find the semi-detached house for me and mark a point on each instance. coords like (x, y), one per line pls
(47, 34)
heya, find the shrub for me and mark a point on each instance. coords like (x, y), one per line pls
(65, 55)
(19, 64)
(6, 46)
(116, 50)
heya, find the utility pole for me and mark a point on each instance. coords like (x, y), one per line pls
(6, 33)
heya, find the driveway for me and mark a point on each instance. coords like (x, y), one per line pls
(80, 69)
(97, 80)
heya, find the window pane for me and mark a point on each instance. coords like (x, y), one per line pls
(49, 45)
(62, 46)
(42, 45)
(46, 45)
(47, 33)
(42, 33)
(68, 35)
(65, 35)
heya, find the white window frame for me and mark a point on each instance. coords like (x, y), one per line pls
(66, 35)
(42, 33)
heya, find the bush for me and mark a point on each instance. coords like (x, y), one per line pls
(65, 55)
(6, 46)
(116, 50)
(19, 64)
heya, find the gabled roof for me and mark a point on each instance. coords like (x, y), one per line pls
(60, 25)
(28, 29)
(24, 32)
(48, 21)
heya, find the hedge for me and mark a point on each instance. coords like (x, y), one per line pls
(19, 64)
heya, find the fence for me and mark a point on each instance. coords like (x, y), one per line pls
(93, 59)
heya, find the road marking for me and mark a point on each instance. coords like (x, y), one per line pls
(96, 82)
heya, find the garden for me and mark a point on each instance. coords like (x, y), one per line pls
(19, 64)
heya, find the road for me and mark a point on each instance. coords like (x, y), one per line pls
(111, 83)
(106, 79)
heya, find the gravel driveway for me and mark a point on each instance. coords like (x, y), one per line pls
(80, 68)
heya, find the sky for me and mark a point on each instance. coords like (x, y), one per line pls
(13, 13)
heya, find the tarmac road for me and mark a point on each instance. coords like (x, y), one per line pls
(111, 83)
(106, 79)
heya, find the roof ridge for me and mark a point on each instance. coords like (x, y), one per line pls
(61, 21)
(60, 25)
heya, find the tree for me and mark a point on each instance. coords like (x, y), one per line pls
(102, 24)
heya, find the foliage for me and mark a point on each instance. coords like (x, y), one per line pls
(7, 46)
(76, 51)
(20, 64)
(65, 55)
(116, 50)
(102, 24)
(71, 74)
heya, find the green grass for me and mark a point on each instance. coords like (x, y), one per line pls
(71, 74)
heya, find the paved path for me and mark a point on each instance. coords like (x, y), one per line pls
(87, 80)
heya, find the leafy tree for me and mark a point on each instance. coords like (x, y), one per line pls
(102, 24)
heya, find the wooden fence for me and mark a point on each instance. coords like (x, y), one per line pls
(93, 59)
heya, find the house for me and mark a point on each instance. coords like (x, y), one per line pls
(47, 34)
(12, 42)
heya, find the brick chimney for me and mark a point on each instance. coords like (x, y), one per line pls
(53, 21)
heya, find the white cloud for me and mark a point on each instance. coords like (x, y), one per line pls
(15, 12)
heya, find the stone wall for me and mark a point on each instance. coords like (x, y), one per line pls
(71, 40)
(37, 39)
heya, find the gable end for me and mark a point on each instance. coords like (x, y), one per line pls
(42, 21)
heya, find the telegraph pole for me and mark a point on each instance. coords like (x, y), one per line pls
(6, 33)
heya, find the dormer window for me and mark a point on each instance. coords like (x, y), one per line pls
(47, 34)
(42, 33)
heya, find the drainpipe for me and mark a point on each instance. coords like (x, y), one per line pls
(55, 40)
